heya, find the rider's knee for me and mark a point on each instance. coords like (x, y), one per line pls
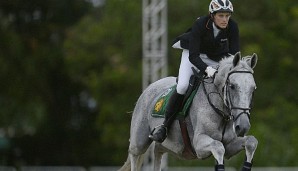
(182, 88)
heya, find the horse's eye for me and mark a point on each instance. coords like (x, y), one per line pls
(232, 86)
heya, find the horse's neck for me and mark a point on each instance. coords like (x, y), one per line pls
(213, 95)
(201, 113)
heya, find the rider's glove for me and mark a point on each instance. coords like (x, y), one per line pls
(210, 71)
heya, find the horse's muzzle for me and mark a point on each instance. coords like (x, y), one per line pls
(242, 125)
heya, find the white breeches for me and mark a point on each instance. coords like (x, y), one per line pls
(185, 71)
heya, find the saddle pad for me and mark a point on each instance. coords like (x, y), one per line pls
(161, 103)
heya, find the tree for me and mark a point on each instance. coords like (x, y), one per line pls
(104, 55)
(36, 91)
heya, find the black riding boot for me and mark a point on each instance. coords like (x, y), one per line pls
(173, 107)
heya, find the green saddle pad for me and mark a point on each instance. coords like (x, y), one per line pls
(161, 103)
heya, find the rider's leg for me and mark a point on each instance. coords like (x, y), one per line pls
(176, 99)
(172, 108)
(185, 72)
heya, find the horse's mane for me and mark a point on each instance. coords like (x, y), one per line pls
(226, 66)
(228, 62)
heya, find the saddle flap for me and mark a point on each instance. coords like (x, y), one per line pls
(160, 105)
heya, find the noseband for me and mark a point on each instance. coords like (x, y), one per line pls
(227, 98)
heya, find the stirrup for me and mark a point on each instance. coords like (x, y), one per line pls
(163, 126)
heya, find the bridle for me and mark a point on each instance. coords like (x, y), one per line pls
(227, 98)
(228, 107)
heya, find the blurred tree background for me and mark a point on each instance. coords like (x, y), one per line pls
(70, 74)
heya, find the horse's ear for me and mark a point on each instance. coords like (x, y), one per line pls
(253, 61)
(236, 59)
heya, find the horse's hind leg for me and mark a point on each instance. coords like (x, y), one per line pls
(157, 158)
(139, 143)
(136, 161)
(126, 166)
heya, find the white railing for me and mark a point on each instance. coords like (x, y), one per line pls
(115, 168)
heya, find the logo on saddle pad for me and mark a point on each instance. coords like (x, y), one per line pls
(161, 103)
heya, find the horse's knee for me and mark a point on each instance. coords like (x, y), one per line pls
(218, 148)
(218, 151)
(251, 143)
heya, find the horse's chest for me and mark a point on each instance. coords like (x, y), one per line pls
(220, 132)
(228, 133)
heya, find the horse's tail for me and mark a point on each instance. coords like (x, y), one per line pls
(126, 166)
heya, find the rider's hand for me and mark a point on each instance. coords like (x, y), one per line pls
(210, 71)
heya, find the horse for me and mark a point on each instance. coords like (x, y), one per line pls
(217, 122)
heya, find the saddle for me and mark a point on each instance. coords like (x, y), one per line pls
(160, 105)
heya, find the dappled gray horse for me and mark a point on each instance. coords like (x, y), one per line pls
(218, 119)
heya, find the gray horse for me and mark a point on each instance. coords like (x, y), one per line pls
(217, 123)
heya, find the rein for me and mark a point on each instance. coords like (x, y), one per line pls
(225, 115)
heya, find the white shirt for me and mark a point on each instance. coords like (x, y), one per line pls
(215, 30)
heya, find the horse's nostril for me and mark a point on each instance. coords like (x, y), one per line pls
(237, 128)
(240, 132)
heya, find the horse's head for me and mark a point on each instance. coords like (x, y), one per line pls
(236, 83)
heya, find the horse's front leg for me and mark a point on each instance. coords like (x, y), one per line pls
(205, 146)
(247, 143)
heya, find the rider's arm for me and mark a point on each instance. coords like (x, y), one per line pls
(194, 45)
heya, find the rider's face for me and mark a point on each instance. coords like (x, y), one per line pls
(221, 19)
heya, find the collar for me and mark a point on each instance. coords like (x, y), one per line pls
(216, 30)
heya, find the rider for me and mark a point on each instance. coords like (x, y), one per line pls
(211, 38)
